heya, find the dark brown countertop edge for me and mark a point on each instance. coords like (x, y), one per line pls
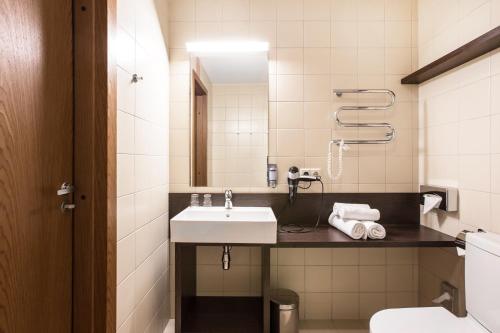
(397, 236)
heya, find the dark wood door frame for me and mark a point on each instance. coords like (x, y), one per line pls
(200, 129)
(94, 277)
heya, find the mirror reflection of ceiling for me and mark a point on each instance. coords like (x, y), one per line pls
(234, 69)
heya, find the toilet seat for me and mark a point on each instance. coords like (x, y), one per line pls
(422, 320)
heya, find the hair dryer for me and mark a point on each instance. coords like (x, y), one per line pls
(294, 178)
(293, 183)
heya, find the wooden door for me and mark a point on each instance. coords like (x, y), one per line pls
(36, 154)
(200, 132)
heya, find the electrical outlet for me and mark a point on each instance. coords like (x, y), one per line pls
(310, 172)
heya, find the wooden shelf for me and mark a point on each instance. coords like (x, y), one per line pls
(474, 49)
(397, 236)
(223, 315)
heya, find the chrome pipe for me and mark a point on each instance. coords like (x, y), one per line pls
(226, 257)
(390, 135)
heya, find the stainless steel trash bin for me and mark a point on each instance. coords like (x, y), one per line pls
(284, 311)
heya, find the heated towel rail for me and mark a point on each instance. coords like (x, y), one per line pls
(389, 135)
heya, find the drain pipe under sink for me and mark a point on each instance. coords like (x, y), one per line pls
(226, 257)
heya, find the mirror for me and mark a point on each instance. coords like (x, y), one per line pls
(229, 116)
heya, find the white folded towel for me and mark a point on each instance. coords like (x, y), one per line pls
(352, 228)
(374, 230)
(339, 205)
(362, 214)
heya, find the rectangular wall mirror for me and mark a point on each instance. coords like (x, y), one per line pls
(229, 116)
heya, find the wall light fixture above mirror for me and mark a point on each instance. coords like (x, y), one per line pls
(229, 113)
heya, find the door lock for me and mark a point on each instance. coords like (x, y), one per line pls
(66, 207)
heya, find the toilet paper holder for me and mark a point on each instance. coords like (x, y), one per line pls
(449, 195)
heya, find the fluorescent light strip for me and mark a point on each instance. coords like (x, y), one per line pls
(224, 47)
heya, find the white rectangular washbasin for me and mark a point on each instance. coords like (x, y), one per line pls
(239, 225)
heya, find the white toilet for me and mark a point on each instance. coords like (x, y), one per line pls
(482, 292)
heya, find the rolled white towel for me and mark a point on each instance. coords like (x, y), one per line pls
(339, 205)
(374, 230)
(352, 228)
(356, 213)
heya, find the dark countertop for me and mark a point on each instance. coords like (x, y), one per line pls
(400, 212)
(397, 236)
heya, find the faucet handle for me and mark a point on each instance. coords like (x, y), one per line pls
(228, 194)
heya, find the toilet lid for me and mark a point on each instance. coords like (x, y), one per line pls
(420, 320)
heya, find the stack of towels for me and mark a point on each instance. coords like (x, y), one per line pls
(357, 221)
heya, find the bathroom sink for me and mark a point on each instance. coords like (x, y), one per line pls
(239, 225)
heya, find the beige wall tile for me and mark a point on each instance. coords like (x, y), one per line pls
(317, 306)
(495, 174)
(495, 133)
(344, 10)
(475, 208)
(400, 278)
(495, 211)
(318, 279)
(290, 115)
(477, 130)
(398, 9)
(315, 257)
(345, 257)
(125, 216)
(262, 10)
(315, 142)
(125, 174)
(372, 278)
(125, 258)
(317, 60)
(292, 256)
(372, 169)
(401, 256)
(237, 280)
(402, 300)
(372, 256)
(291, 277)
(371, 34)
(290, 60)
(209, 279)
(290, 34)
(345, 278)
(182, 10)
(290, 10)
(125, 299)
(317, 10)
(235, 10)
(290, 88)
(345, 306)
(291, 142)
(370, 303)
(475, 172)
(317, 34)
(371, 10)
(316, 88)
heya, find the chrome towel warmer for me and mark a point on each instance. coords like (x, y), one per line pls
(389, 136)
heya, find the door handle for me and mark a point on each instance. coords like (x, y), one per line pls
(65, 189)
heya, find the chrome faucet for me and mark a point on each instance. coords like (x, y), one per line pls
(228, 195)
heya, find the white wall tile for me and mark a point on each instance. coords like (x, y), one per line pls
(142, 124)
(125, 255)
